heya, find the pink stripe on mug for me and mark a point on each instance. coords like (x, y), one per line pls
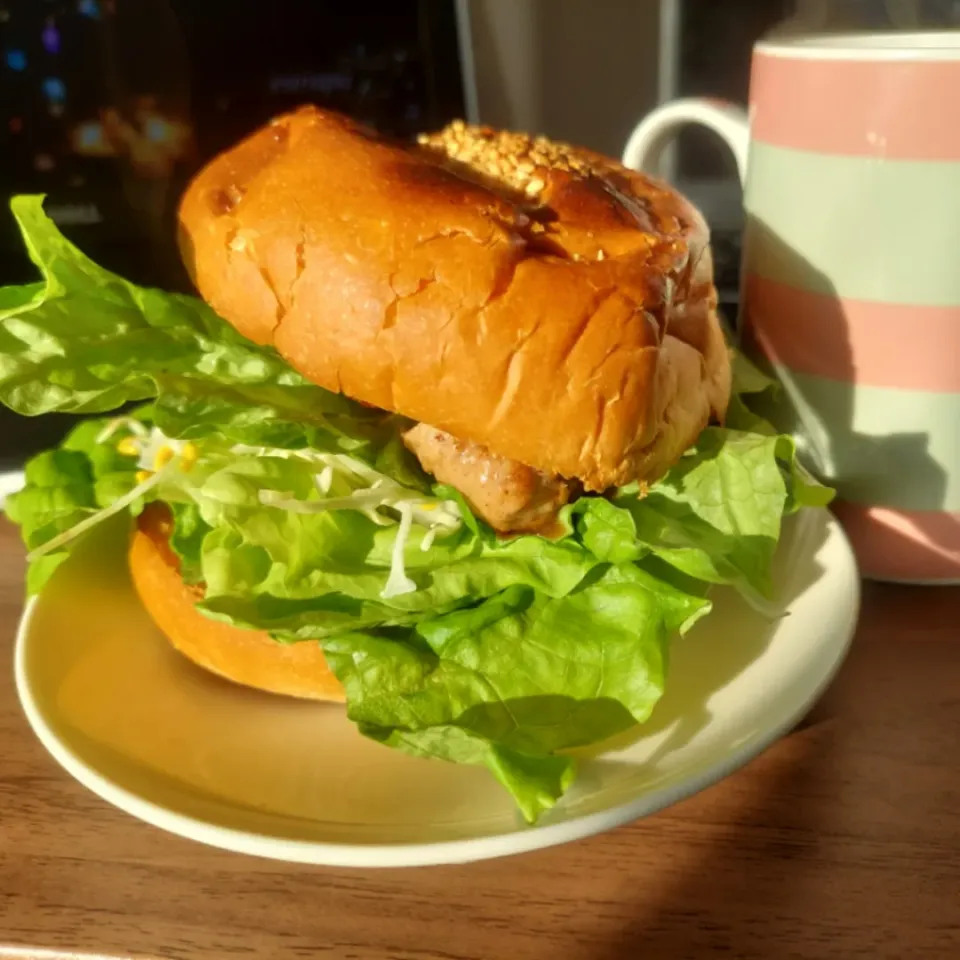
(833, 121)
(854, 107)
(854, 341)
(901, 545)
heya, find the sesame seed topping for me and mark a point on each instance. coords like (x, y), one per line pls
(515, 159)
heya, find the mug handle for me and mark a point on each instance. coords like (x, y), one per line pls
(727, 120)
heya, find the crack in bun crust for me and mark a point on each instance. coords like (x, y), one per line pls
(534, 298)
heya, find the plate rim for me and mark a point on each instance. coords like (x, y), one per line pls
(11, 481)
(441, 852)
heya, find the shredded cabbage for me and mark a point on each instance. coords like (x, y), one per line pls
(132, 424)
(156, 453)
(325, 479)
(118, 505)
(159, 454)
(398, 583)
(428, 513)
(377, 492)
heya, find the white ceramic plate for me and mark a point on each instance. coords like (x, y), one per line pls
(187, 752)
(10, 483)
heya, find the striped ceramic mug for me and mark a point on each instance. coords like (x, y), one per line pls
(850, 160)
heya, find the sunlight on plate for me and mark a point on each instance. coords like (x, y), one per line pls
(145, 729)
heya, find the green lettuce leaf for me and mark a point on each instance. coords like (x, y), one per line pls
(87, 341)
(59, 493)
(298, 575)
(186, 540)
(514, 681)
(716, 516)
(310, 575)
(63, 488)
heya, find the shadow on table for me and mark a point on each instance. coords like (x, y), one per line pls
(843, 840)
(708, 911)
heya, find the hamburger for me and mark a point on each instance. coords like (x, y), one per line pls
(452, 433)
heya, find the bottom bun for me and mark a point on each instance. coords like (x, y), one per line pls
(247, 657)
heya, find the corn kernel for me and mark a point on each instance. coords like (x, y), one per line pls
(128, 447)
(163, 457)
(189, 455)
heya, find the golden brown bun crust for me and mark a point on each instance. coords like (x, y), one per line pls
(247, 657)
(520, 301)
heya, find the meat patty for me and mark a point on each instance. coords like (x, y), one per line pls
(510, 496)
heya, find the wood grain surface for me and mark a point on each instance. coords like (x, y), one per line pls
(841, 841)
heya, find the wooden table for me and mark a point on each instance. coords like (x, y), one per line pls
(842, 841)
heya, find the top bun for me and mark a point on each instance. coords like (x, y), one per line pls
(534, 298)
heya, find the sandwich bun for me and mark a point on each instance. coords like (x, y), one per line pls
(536, 299)
(247, 657)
